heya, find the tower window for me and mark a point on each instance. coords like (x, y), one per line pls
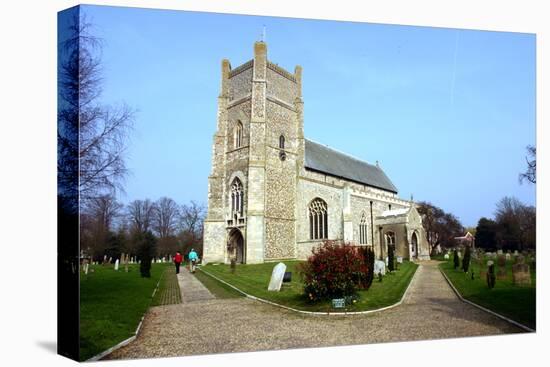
(238, 138)
(237, 197)
(363, 234)
(281, 142)
(318, 219)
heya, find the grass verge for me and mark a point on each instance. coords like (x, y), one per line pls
(515, 302)
(112, 304)
(254, 279)
(168, 292)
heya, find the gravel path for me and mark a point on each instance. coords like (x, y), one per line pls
(430, 311)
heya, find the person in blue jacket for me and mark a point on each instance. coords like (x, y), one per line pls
(193, 258)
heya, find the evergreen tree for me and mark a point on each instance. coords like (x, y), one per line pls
(146, 250)
(456, 260)
(391, 258)
(466, 259)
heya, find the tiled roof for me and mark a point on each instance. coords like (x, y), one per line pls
(327, 160)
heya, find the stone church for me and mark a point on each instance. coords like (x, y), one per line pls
(274, 195)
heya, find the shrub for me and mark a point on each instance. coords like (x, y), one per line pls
(466, 259)
(333, 271)
(456, 260)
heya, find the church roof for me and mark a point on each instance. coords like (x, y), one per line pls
(394, 212)
(327, 160)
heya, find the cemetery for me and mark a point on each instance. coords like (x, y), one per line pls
(502, 282)
(255, 279)
(113, 299)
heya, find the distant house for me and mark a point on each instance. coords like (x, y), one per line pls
(467, 240)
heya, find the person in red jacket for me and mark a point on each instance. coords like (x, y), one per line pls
(177, 260)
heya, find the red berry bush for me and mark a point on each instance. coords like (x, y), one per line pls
(334, 270)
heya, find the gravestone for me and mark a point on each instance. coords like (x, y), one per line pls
(116, 264)
(508, 256)
(277, 277)
(379, 267)
(501, 271)
(516, 253)
(499, 252)
(520, 272)
(399, 259)
(104, 259)
(446, 256)
(386, 262)
(86, 266)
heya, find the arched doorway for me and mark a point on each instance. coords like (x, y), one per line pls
(236, 246)
(414, 246)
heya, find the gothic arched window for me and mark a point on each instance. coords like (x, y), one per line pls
(363, 234)
(318, 219)
(237, 197)
(238, 138)
(282, 142)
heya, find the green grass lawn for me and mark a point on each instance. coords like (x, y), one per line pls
(254, 279)
(515, 302)
(112, 304)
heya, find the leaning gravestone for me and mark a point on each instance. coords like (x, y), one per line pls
(116, 264)
(277, 277)
(520, 272)
(379, 267)
(501, 272)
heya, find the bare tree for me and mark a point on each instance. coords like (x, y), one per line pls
(140, 215)
(441, 227)
(166, 216)
(191, 226)
(531, 173)
(516, 224)
(92, 136)
(97, 221)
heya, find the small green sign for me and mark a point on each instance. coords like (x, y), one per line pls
(338, 303)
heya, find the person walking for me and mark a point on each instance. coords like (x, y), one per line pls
(177, 260)
(193, 257)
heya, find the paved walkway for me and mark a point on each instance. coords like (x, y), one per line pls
(430, 311)
(191, 288)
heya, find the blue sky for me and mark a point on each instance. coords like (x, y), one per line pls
(447, 113)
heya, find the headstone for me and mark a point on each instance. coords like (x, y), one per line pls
(116, 264)
(386, 262)
(287, 278)
(446, 256)
(520, 272)
(501, 271)
(277, 277)
(399, 259)
(499, 252)
(110, 260)
(104, 259)
(163, 259)
(86, 266)
(379, 267)
(508, 256)
(516, 253)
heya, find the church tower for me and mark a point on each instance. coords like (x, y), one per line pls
(257, 154)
